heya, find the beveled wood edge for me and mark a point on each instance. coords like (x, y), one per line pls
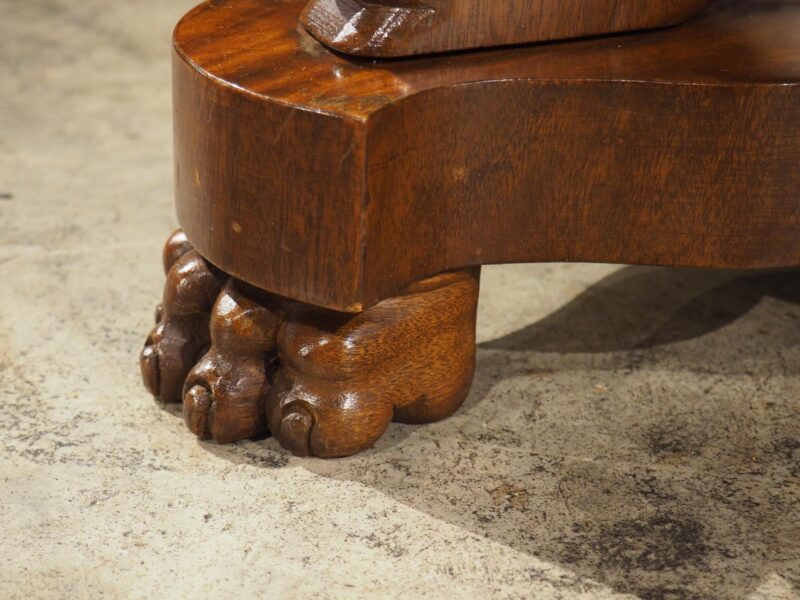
(412, 92)
(180, 54)
(350, 27)
(385, 31)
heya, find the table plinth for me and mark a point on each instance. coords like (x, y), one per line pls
(349, 203)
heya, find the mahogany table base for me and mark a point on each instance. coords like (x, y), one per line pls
(323, 193)
(324, 383)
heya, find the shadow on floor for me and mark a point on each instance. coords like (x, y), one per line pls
(645, 436)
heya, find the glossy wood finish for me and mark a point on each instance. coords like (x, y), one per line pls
(391, 28)
(343, 378)
(339, 182)
(181, 334)
(324, 383)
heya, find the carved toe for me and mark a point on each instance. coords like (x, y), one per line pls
(224, 400)
(148, 362)
(176, 246)
(324, 419)
(198, 411)
(294, 430)
(223, 397)
(168, 355)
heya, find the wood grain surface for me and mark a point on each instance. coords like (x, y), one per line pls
(339, 182)
(181, 333)
(391, 28)
(324, 383)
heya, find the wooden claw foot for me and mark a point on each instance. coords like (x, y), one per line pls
(324, 383)
(343, 378)
(181, 332)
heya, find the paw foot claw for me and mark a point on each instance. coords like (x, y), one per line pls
(325, 384)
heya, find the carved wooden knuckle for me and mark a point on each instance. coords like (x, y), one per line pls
(181, 331)
(224, 393)
(326, 345)
(176, 246)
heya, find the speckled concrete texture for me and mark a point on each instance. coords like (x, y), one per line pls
(632, 432)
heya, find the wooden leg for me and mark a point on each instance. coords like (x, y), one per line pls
(324, 383)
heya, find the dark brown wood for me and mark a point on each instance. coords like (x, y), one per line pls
(339, 182)
(343, 378)
(181, 332)
(324, 383)
(177, 245)
(391, 28)
(316, 189)
(224, 392)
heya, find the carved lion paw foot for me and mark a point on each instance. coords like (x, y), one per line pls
(323, 383)
(181, 332)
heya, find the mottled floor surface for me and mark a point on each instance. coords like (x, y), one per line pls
(632, 432)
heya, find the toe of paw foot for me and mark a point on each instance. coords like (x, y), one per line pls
(148, 363)
(198, 411)
(224, 403)
(326, 423)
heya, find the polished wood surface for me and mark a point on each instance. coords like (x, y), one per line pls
(339, 182)
(336, 210)
(324, 383)
(181, 334)
(391, 28)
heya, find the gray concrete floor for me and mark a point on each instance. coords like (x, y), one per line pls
(632, 432)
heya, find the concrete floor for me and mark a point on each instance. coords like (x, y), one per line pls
(632, 432)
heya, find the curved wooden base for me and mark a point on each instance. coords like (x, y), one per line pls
(324, 383)
(338, 183)
(675, 147)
